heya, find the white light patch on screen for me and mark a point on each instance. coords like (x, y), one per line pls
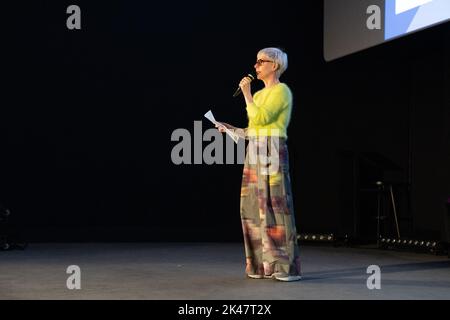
(421, 14)
(435, 12)
(405, 5)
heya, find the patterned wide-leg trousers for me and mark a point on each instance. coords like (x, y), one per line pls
(267, 212)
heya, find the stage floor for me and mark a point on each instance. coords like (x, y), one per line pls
(203, 271)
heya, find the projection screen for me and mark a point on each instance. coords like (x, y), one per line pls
(354, 25)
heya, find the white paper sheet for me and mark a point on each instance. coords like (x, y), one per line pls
(209, 115)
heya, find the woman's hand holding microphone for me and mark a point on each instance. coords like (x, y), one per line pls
(245, 86)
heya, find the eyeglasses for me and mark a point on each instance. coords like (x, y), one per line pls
(261, 61)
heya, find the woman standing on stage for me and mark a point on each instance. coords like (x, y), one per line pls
(267, 211)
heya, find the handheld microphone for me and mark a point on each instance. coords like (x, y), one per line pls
(238, 91)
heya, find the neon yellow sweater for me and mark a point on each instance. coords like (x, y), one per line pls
(270, 112)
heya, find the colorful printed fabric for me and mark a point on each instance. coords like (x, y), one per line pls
(267, 211)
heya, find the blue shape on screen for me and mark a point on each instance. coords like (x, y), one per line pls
(397, 24)
(431, 13)
(422, 16)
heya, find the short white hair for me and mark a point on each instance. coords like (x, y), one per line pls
(278, 56)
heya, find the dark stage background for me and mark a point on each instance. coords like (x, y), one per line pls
(87, 116)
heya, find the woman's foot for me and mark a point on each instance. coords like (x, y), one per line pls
(250, 271)
(285, 277)
(255, 276)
